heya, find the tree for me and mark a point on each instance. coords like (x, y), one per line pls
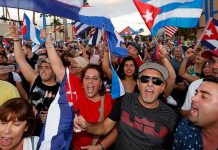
(56, 22)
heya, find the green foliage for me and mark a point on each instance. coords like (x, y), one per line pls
(188, 33)
(56, 22)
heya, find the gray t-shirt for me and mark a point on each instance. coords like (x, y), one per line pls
(141, 128)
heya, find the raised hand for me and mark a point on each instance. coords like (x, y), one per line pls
(13, 29)
(189, 53)
(162, 52)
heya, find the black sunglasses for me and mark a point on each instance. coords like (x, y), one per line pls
(155, 80)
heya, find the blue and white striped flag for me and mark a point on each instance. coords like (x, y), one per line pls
(178, 13)
(80, 28)
(58, 130)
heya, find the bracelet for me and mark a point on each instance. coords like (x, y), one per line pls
(102, 147)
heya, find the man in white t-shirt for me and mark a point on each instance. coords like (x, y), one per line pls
(213, 62)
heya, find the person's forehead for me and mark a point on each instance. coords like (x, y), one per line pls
(131, 46)
(91, 72)
(177, 49)
(215, 58)
(151, 72)
(209, 88)
(129, 62)
(44, 64)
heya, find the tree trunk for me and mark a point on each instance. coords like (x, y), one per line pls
(65, 28)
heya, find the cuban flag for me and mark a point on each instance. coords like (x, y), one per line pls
(58, 130)
(92, 16)
(80, 28)
(127, 31)
(178, 13)
(210, 35)
(96, 37)
(30, 31)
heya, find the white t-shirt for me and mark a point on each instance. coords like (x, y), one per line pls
(191, 92)
(30, 143)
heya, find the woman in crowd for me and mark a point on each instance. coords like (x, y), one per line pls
(127, 71)
(192, 73)
(206, 70)
(95, 105)
(88, 96)
(17, 125)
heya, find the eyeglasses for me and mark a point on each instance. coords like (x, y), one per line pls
(155, 80)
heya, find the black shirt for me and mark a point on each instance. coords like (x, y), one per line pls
(42, 95)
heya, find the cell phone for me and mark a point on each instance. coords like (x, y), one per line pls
(6, 69)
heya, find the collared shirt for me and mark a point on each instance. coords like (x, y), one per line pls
(187, 137)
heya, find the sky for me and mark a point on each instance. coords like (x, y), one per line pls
(123, 13)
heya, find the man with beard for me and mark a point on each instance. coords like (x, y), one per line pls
(200, 130)
(212, 56)
(144, 122)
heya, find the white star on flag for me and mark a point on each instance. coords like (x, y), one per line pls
(209, 32)
(148, 15)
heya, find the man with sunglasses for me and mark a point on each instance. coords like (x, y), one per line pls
(144, 122)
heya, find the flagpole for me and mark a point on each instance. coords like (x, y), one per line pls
(156, 40)
(8, 14)
(203, 33)
(103, 25)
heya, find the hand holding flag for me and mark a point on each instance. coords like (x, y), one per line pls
(13, 30)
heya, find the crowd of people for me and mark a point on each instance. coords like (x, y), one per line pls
(170, 101)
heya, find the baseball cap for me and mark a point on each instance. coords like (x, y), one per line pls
(41, 60)
(209, 53)
(158, 67)
(137, 46)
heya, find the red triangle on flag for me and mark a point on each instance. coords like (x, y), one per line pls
(211, 32)
(148, 12)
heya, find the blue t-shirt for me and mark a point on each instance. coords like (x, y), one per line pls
(187, 137)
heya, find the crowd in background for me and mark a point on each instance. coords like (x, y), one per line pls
(36, 77)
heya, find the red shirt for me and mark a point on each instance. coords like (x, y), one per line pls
(88, 109)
